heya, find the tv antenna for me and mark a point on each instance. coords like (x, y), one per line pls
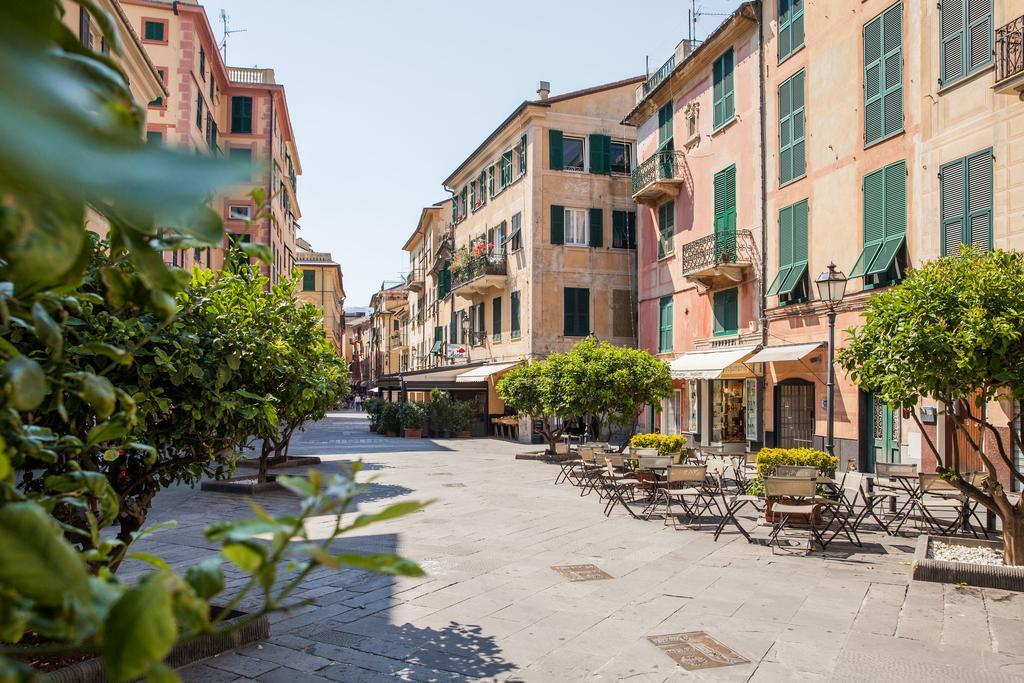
(225, 21)
(696, 13)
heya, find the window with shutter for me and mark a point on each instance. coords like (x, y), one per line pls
(557, 224)
(665, 325)
(513, 306)
(624, 229)
(154, 31)
(966, 38)
(727, 311)
(666, 229)
(966, 197)
(724, 98)
(496, 318)
(725, 211)
(665, 124)
(577, 312)
(623, 313)
(792, 159)
(472, 194)
(883, 75)
(308, 280)
(791, 27)
(555, 150)
(790, 282)
(490, 179)
(516, 238)
(522, 155)
(885, 220)
(241, 114)
(600, 154)
(596, 227)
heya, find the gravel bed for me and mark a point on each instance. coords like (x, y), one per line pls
(951, 552)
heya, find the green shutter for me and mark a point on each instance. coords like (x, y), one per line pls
(666, 228)
(665, 325)
(522, 155)
(569, 312)
(631, 228)
(785, 251)
(966, 38)
(979, 200)
(557, 224)
(600, 154)
(978, 34)
(725, 211)
(792, 159)
(665, 129)
(798, 247)
(723, 94)
(309, 280)
(883, 75)
(726, 309)
(597, 227)
(555, 160)
(791, 27)
(514, 305)
(496, 317)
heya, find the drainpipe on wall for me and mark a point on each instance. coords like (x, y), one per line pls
(764, 211)
(270, 175)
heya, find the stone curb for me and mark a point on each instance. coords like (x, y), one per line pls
(235, 486)
(91, 671)
(983, 576)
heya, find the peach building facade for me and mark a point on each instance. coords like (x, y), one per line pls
(322, 284)
(535, 250)
(211, 108)
(698, 184)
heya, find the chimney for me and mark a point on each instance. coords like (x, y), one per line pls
(544, 90)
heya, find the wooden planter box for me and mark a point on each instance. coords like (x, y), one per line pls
(413, 433)
(91, 670)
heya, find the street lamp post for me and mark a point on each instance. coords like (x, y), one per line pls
(831, 290)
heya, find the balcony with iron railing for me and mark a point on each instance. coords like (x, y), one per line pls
(659, 177)
(720, 259)
(1010, 56)
(655, 79)
(414, 281)
(479, 274)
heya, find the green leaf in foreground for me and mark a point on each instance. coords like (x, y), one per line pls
(139, 630)
(37, 562)
(25, 383)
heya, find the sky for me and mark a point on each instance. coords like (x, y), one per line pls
(387, 98)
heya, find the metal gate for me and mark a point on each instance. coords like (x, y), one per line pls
(794, 414)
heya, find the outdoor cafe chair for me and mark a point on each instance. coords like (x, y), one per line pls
(615, 486)
(731, 505)
(572, 470)
(793, 496)
(686, 484)
(934, 496)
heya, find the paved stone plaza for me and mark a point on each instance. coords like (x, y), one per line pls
(492, 607)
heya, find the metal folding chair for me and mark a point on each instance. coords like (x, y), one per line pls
(615, 485)
(683, 482)
(801, 490)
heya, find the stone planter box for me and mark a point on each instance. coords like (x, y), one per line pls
(292, 461)
(91, 670)
(981, 575)
(242, 485)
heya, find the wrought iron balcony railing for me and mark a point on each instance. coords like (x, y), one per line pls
(1010, 49)
(664, 165)
(717, 249)
(655, 79)
(476, 268)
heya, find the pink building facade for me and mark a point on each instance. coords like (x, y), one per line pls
(698, 185)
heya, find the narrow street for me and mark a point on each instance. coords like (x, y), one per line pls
(492, 607)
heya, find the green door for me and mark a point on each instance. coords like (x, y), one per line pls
(885, 434)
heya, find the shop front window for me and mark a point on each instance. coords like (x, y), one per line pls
(729, 414)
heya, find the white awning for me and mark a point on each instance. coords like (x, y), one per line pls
(480, 374)
(708, 364)
(785, 352)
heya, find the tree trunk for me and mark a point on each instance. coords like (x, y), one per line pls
(265, 452)
(1013, 538)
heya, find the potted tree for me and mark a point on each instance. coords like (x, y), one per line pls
(439, 411)
(412, 415)
(389, 422)
(373, 408)
(462, 417)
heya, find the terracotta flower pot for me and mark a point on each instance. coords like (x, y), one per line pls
(411, 433)
(392, 434)
(464, 435)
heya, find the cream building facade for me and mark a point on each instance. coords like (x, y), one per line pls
(535, 251)
(322, 284)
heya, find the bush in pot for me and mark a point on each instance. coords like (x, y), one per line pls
(373, 410)
(439, 413)
(389, 421)
(667, 444)
(462, 416)
(412, 415)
